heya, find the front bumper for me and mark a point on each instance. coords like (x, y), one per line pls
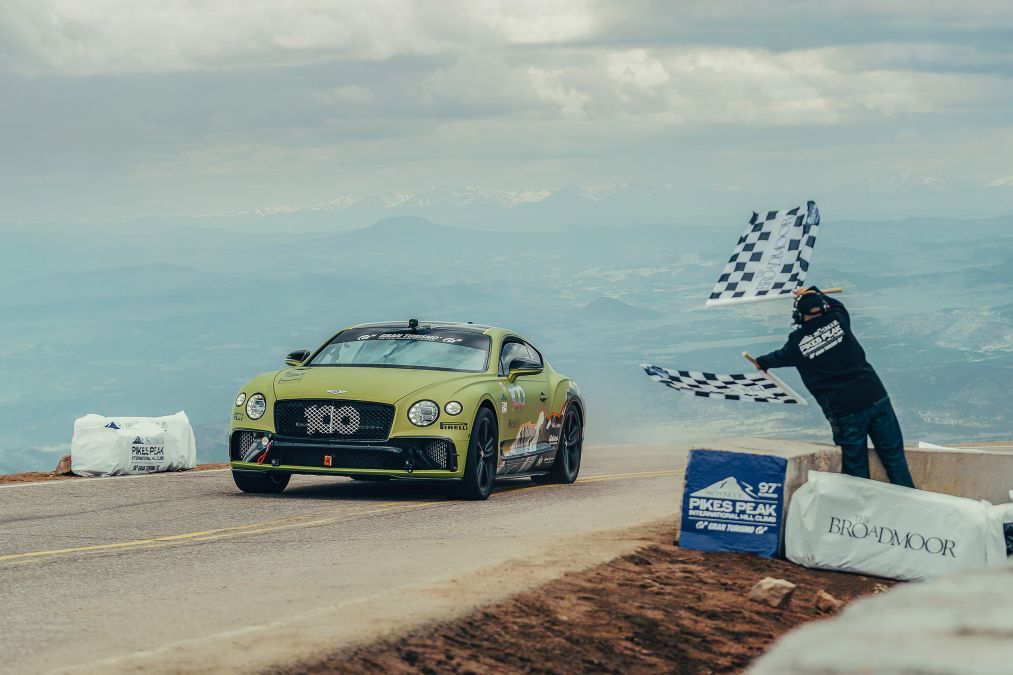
(415, 456)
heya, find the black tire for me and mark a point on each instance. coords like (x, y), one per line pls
(480, 467)
(571, 443)
(261, 482)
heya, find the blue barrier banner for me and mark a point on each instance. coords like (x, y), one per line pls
(733, 501)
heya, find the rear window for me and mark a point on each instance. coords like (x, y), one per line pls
(426, 348)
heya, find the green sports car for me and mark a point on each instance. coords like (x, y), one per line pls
(442, 401)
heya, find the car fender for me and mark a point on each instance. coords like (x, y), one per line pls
(261, 384)
(484, 391)
(567, 393)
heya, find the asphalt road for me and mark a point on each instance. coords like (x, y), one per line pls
(182, 572)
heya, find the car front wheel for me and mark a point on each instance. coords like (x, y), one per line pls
(261, 482)
(480, 466)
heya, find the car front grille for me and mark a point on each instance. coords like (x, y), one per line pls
(334, 420)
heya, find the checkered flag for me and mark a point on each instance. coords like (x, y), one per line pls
(758, 387)
(771, 257)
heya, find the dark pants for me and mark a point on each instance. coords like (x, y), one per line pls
(878, 422)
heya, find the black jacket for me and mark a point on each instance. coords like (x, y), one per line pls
(831, 362)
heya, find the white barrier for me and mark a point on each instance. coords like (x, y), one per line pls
(111, 446)
(839, 522)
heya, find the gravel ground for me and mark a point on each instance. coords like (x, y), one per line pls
(662, 609)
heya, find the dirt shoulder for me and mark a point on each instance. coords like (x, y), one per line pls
(661, 609)
(40, 476)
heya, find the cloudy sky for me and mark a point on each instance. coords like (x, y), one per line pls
(116, 109)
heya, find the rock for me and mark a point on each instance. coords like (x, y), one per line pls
(826, 603)
(774, 592)
(63, 468)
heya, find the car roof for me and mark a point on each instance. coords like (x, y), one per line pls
(426, 323)
(495, 332)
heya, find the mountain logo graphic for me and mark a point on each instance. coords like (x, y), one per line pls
(140, 440)
(728, 488)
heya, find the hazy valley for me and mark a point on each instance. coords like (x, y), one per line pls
(150, 320)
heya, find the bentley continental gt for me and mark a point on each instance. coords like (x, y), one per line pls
(454, 402)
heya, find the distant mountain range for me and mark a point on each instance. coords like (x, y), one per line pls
(886, 196)
(144, 321)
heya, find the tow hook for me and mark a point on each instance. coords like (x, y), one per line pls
(255, 455)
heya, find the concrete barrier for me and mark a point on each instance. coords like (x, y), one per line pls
(801, 457)
(977, 473)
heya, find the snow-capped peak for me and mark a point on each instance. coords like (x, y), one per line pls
(729, 488)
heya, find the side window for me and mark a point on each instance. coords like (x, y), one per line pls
(534, 355)
(510, 351)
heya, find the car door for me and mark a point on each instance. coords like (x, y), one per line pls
(540, 394)
(521, 401)
(548, 421)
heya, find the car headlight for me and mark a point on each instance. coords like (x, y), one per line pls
(256, 407)
(241, 399)
(423, 413)
(453, 408)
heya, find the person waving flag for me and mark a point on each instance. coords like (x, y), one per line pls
(834, 369)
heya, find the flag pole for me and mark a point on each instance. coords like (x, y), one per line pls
(775, 379)
(780, 296)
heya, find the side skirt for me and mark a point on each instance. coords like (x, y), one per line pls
(528, 465)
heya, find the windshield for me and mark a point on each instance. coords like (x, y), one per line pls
(433, 349)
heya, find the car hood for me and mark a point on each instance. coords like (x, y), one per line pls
(386, 385)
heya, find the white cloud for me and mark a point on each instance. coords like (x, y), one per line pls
(536, 21)
(670, 87)
(282, 99)
(478, 82)
(70, 37)
(480, 67)
(548, 85)
(636, 67)
(74, 38)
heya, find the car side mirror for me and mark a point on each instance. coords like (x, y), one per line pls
(522, 366)
(297, 357)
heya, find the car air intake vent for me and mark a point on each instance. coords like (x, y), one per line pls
(330, 419)
(242, 444)
(441, 453)
(336, 458)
